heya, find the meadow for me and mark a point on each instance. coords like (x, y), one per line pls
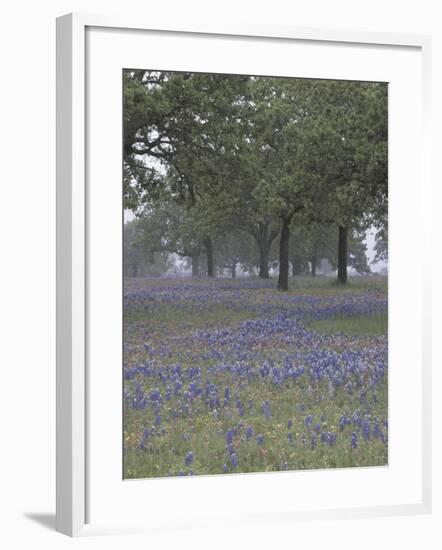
(230, 375)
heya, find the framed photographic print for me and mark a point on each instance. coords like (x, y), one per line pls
(236, 332)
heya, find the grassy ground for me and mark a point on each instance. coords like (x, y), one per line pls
(376, 325)
(232, 376)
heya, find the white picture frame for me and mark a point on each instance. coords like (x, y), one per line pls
(75, 475)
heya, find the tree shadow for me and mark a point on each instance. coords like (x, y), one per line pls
(46, 520)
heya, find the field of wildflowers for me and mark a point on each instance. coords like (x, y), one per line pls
(225, 376)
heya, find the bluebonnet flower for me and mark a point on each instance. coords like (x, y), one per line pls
(182, 378)
(234, 460)
(266, 409)
(155, 395)
(189, 459)
(376, 429)
(366, 429)
(227, 395)
(342, 423)
(354, 440)
(314, 441)
(308, 421)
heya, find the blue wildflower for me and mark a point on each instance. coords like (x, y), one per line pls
(354, 440)
(342, 423)
(266, 409)
(366, 429)
(234, 460)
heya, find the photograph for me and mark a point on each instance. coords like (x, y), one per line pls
(255, 273)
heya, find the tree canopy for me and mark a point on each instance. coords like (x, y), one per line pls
(223, 167)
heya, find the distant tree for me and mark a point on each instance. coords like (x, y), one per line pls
(281, 135)
(357, 252)
(381, 245)
(170, 228)
(316, 242)
(208, 158)
(139, 260)
(235, 251)
(182, 123)
(354, 145)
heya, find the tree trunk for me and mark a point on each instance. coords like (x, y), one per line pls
(342, 255)
(264, 236)
(283, 278)
(233, 270)
(195, 264)
(208, 245)
(313, 261)
(264, 252)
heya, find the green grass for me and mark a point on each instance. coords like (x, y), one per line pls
(167, 327)
(328, 285)
(361, 325)
(205, 436)
(173, 318)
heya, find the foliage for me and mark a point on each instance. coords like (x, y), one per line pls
(140, 260)
(230, 155)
